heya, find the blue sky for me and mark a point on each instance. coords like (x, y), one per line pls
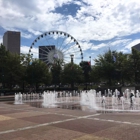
(96, 25)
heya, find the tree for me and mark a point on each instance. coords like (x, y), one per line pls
(95, 75)
(106, 66)
(86, 67)
(11, 70)
(38, 73)
(56, 70)
(123, 67)
(135, 65)
(3, 59)
(14, 70)
(25, 59)
(72, 74)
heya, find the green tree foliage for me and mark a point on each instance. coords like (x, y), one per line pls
(10, 68)
(14, 70)
(111, 67)
(25, 59)
(72, 74)
(38, 73)
(86, 68)
(56, 70)
(95, 75)
(106, 66)
(123, 68)
(3, 60)
(134, 60)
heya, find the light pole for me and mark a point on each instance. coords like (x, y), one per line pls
(63, 65)
(90, 66)
(90, 60)
(72, 56)
(32, 71)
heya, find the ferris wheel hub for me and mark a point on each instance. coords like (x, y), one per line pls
(55, 55)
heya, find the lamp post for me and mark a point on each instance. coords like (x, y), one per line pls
(72, 83)
(90, 60)
(72, 56)
(90, 66)
(32, 71)
(63, 65)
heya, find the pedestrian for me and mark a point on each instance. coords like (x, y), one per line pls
(131, 100)
(118, 95)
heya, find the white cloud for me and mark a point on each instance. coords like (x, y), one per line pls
(127, 47)
(132, 43)
(85, 45)
(34, 32)
(24, 49)
(1, 40)
(113, 19)
(94, 21)
(25, 35)
(119, 42)
(96, 47)
(109, 44)
(99, 20)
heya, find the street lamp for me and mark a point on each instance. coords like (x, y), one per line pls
(90, 67)
(72, 83)
(72, 56)
(63, 65)
(32, 70)
(90, 59)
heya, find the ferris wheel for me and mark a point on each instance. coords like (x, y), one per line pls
(55, 46)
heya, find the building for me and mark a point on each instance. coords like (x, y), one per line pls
(45, 54)
(11, 40)
(137, 47)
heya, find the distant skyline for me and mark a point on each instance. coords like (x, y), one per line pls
(96, 25)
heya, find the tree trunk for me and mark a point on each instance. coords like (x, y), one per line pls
(23, 86)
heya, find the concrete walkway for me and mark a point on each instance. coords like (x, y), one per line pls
(24, 122)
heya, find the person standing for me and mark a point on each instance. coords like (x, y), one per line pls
(118, 95)
(131, 100)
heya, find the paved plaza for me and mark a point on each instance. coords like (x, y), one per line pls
(26, 122)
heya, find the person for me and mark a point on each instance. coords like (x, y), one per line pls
(118, 94)
(103, 99)
(131, 100)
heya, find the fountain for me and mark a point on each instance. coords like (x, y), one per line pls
(18, 98)
(49, 99)
(88, 99)
(128, 102)
(91, 100)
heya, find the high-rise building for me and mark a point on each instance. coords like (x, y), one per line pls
(11, 40)
(46, 53)
(137, 47)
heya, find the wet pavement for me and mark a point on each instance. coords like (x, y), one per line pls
(66, 121)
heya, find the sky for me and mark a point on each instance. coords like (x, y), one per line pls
(97, 25)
